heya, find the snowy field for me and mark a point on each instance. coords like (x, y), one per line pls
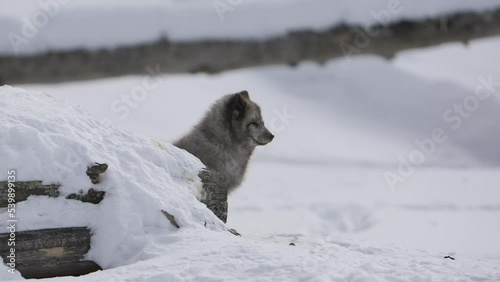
(39, 25)
(378, 170)
(340, 129)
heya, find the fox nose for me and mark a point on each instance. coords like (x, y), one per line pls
(271, 137)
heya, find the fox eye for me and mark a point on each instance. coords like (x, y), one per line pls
(253, 124)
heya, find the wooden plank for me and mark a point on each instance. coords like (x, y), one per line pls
(24, 189)
(50, 252)
(26, 258)
(57, 270)
(47, 238)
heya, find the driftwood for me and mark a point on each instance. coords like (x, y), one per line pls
(212, 56)
(50, 252)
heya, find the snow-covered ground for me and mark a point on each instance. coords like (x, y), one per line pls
(39, 25)
(134, 242)
(340, 129)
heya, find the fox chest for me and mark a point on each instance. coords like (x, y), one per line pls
(233, 167)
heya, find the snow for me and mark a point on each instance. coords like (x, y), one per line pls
(47, 24)
(454, 62)
(320, 184)
(49, 139)
(210, 256)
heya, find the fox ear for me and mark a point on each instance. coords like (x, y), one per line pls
(244, 94)
(237, 105)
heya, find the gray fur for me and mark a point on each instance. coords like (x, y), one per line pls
(226, 137)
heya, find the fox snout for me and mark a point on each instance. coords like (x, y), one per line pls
(267, 137)
(270, 136)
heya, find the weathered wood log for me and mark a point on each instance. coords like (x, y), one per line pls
(49, 252)
(213, 184)
(24, 189)
(57, 270)
(213, 56)
(215, 196)
(215, 193)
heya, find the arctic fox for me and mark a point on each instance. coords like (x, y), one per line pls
(226, 137)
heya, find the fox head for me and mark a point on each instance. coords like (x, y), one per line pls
(246, 123)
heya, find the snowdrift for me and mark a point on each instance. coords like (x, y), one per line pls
(44, 138)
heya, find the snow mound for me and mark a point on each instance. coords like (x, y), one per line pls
(44, 138)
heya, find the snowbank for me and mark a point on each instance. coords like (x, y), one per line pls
(48, 24)
(44, 138)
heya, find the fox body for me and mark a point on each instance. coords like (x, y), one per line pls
(224, 140)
